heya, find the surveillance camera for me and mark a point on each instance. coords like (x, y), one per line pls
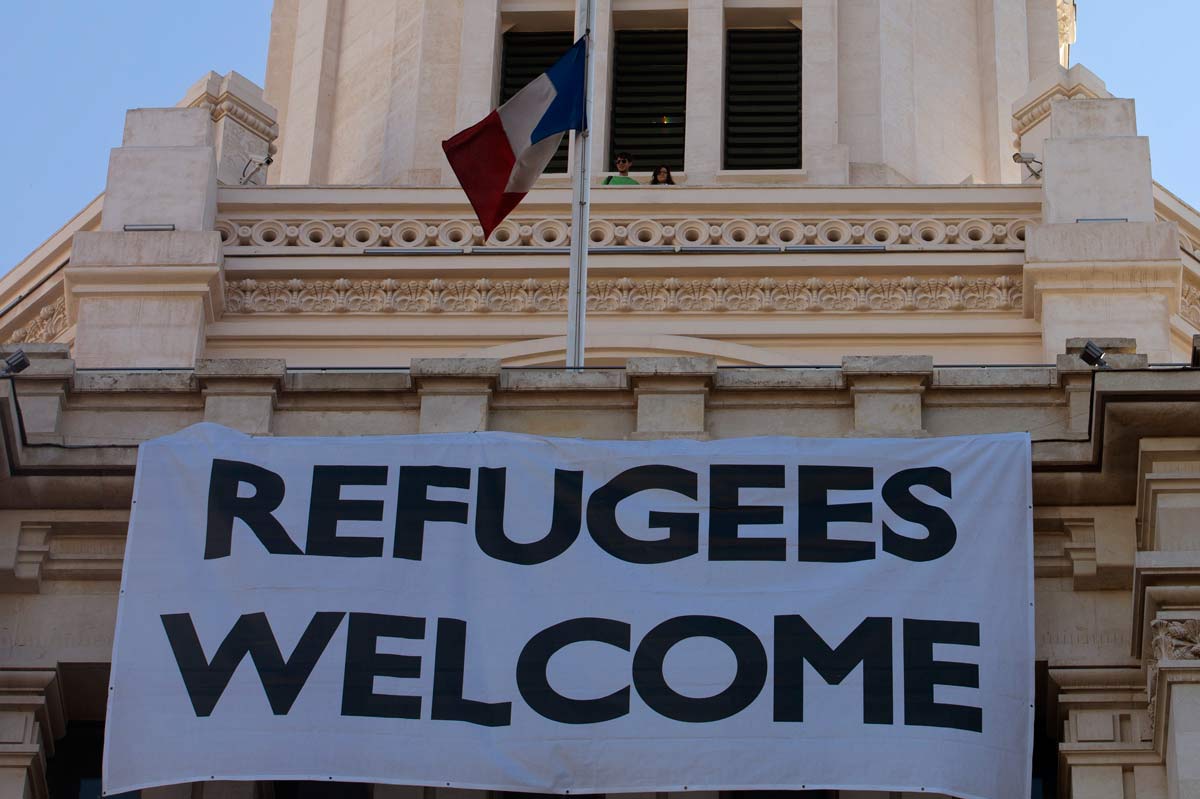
(1024, 158)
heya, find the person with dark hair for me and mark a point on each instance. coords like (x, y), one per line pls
(624, 164)
(662, 176)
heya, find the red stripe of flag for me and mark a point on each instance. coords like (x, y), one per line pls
(483, 160)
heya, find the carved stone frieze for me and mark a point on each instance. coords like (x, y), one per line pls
(45, 327)
(905, 233)
(625, 295)
(1174, 639)
(1189, 307)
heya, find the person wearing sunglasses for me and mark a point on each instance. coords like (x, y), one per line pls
(624, 163)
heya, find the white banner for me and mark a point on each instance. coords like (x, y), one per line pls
(518, 613)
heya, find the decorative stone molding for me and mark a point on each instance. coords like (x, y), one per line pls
(1030, 115)
(213, 94)
(1174, 640)
(912, 233)
(25, 550)
(1066, 30)
(1189, 307)
(625, 295)
(59, 545)
(45, 327)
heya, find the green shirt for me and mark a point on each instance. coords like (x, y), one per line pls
(620, 180)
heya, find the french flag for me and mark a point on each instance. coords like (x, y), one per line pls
(498, 160)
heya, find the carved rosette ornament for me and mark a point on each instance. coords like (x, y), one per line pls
(1174, 639)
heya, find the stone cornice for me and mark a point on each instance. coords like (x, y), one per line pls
(1028, 116)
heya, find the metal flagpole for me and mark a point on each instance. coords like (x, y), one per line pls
(580, 204)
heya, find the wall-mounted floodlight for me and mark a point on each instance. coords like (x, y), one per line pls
(15, 363)
(1092, 355)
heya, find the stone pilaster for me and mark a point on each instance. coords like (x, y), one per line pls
(244, 129)
(1100, 264)
(309, 124)
(241, 393)
(705, 90)
(31, 718)
(1174, 687)
(1166, 595)
(455, 392)
(888, 393)
(603, 40)
(826, 160)
(1106, 746)
(672, 394)
(478, 61)
(143, 298)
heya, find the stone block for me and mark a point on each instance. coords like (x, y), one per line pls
(161, 185)
(887, 365)
(248, 413)
(681, 366)
(455, 367)
(1106, 178)
(167, 127)
(270, 368)
(454, 413)
(145, 331)
(38, 354)
(674, 413)
(1092, 118)
(1098, 782)
(111, 248)
(1102, 242)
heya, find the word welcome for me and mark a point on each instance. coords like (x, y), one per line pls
(795, 643)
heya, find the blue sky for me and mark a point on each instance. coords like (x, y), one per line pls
(70, 68)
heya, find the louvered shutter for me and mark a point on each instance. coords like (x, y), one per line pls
(762, 99)
(649, 98)
(527, 55)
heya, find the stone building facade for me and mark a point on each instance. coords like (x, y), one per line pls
(908, 278)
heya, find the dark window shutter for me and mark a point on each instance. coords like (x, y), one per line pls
(527, 55)
(649, 97)
(762, 99)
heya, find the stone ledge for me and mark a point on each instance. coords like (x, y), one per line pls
(349, 381)
(1126, 346)
(455, 367)
(38, 352)
(176, 381)
(781, 379)
(274, 368)
(681, 366)
(995, 377)
(1068, 364)
(563, 380)
(865, 365)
